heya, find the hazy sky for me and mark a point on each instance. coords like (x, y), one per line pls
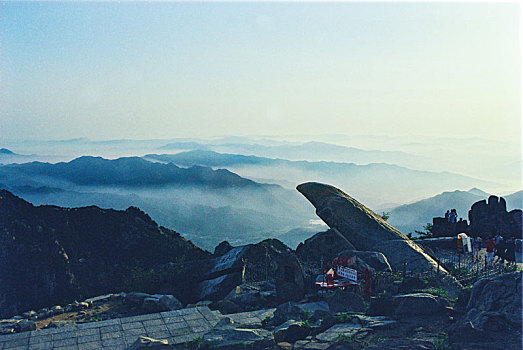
(160, 70)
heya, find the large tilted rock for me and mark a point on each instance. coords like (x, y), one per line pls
(368, 231)
(360, 225)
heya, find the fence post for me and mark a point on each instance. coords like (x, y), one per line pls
(437, 271)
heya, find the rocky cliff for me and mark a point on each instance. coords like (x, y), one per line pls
(368, 231)
(52, 255)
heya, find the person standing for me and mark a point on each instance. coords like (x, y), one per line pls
(476, 246)
(510, 250)
(447, 217)
(453, 216)
(499, 249)
(491, 244)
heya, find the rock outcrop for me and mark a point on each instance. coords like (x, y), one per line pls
(368, 231)
(497, 298)
(363, 228)
(493, 312)
(325, 245)
(360, 225)
(491, 217)
(51, 255)
(269, 260)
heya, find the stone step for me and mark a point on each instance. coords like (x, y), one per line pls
(176, 326)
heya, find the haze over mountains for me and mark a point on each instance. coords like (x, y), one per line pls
(412, 217)
(242, 188)
(376, 184)
(207, 205)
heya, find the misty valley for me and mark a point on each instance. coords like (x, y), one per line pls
(210, 196)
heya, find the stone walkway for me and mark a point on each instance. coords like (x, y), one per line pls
(176, 326)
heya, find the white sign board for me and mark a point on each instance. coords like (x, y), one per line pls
(349, 274)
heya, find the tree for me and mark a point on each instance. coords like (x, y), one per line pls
(385, 215)
(427, 233)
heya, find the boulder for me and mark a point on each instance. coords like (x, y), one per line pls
(358, 224)
(225, 307)
(217, 288)
(375, 261)
(466, 332)
(226, 335)
(497, 299)
(169, 302)
(104, 298)
(151, 305)
(491, 217)
(418, 304)
(135, 298)
(410, 344)
(149, 343)
(339, 331)
(366, 230)
(284, 312)
(310, 345)
(314, 308)
(76, 306)
(248, 296)
(290, 282)
(381, 306)
(409, 284)
(290, 331)
(375, 321)
(284, 346)
(30, 314)
(223, 274)
(325, 244)
(56, 310)
(252, 262)
(7, 326)
(343, 301)
(25, 325)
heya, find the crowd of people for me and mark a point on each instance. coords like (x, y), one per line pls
(498, 249)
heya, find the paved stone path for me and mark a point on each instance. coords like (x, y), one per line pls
(176, 326)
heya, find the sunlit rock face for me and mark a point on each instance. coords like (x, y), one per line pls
(368, 231)
(360, 225)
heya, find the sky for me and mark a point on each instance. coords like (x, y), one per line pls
(161, 70)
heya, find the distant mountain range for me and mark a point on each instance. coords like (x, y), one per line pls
(410, 217)
(129, 171)
(374, 184)
(8, 156)
(312, 151)
(4, 151)
(207, 205)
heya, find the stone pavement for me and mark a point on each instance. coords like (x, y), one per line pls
(176, 326)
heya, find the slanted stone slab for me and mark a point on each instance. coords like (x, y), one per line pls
(337, 331)
(368, 231)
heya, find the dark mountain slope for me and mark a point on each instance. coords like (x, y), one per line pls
(49, 254)
(128, 171)
(209, 205)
